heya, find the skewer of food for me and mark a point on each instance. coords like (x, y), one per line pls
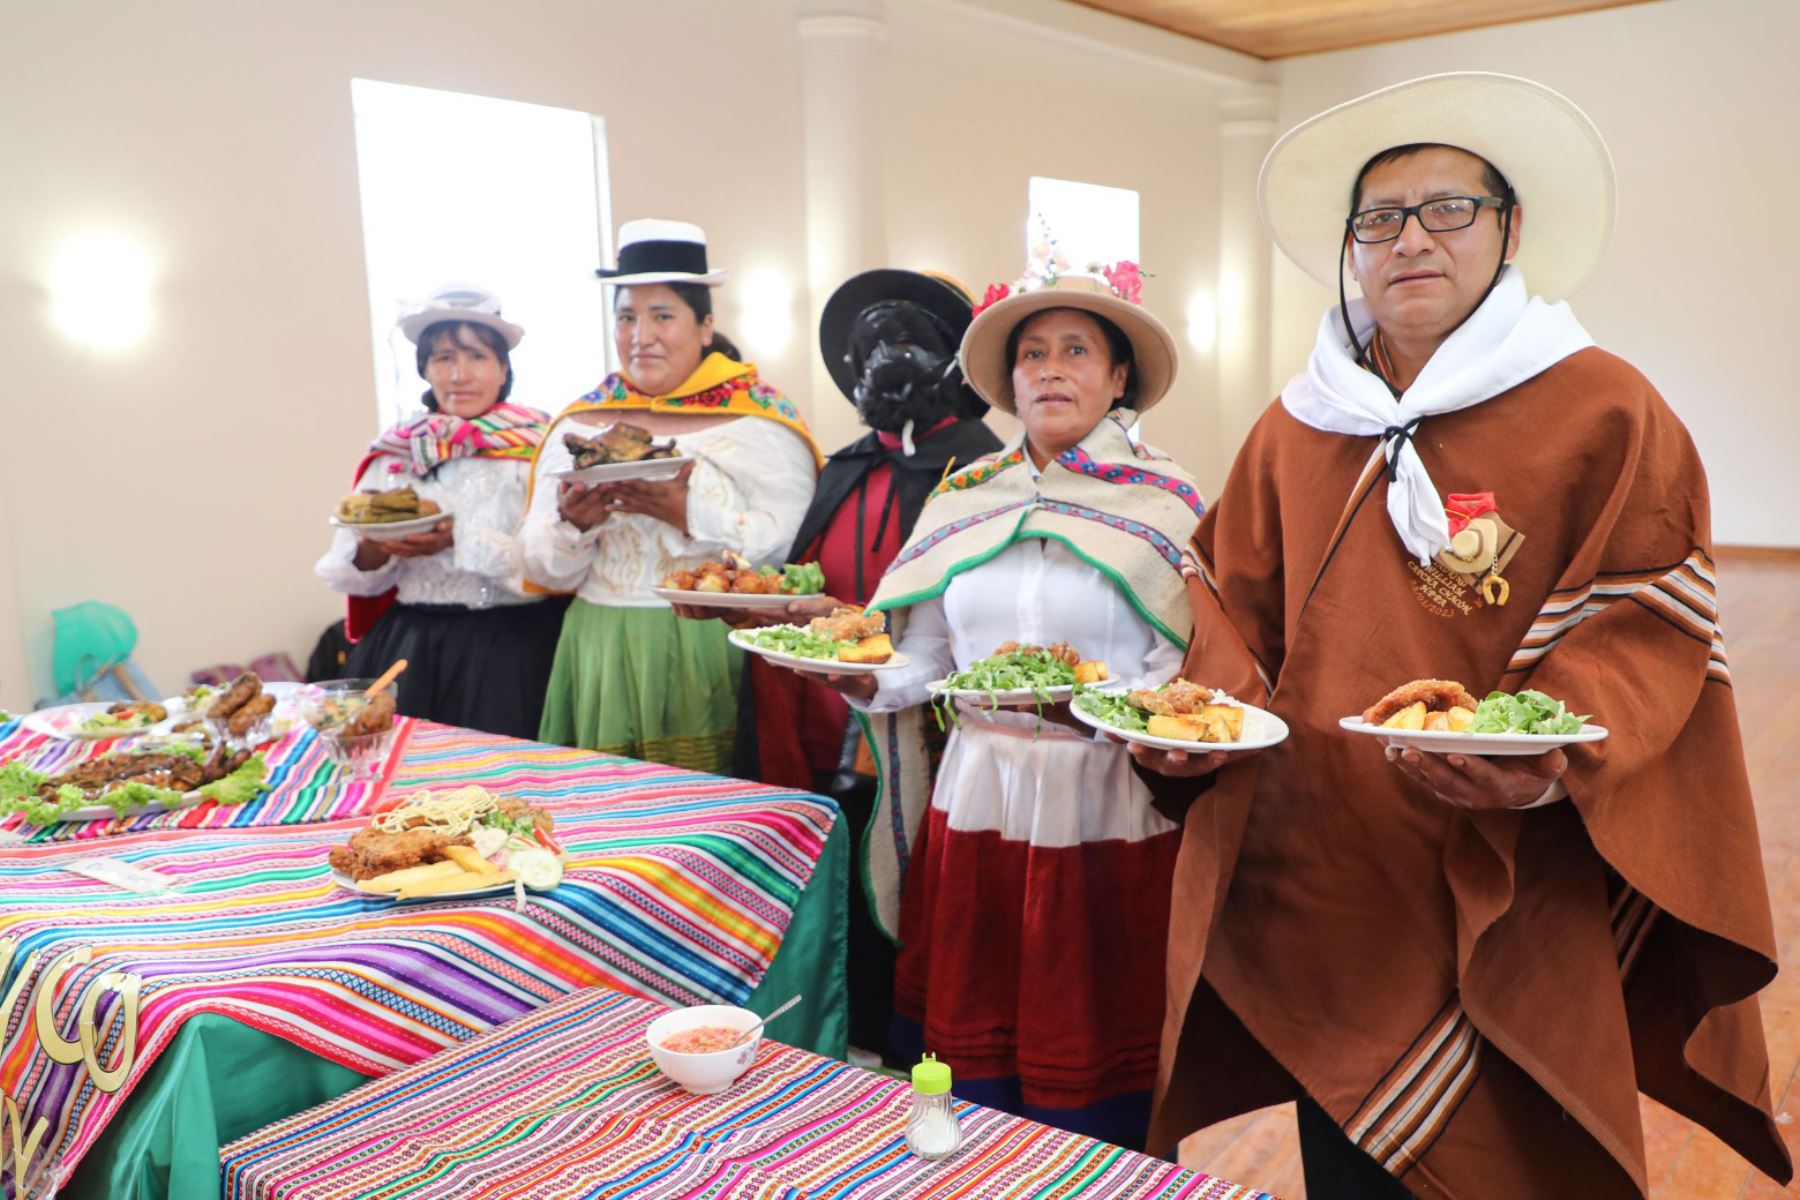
(443, 843)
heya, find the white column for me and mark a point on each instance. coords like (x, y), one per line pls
(1246, 131)
(846, 229)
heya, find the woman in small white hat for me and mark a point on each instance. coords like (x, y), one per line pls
(451, 600)
(630, 677)
(1033, 912)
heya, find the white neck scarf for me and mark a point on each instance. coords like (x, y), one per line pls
(1506, 341)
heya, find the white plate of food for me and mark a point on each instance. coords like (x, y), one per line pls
(388, 531)
(1447, 742)
(99, 719)
(502, 886)
(760, 601)
(1206, 719)
(1027, 675)
(1442, 716)
(447, 844)
(171, 777)
(647, 469)
(793, 646)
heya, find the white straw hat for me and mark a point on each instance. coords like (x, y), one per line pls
(654, 251)
(1548, 149)
(459, 302)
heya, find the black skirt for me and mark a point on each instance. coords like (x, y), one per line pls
(481, 668)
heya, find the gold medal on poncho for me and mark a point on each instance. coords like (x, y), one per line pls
(1481, 545)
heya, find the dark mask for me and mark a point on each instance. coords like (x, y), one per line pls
(905, 367)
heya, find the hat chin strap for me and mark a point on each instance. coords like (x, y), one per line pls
(1361, 350)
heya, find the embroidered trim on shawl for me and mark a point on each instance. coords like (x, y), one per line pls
(1685, 594)
(1076, 459)
(977, 473)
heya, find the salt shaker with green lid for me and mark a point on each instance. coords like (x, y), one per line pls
(932, 1131)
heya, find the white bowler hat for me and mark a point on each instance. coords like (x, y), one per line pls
(653, 251)
(459, 302)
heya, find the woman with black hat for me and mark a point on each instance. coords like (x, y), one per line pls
(451, 600)
(1035, 900)
(889, 338)
(630, 678)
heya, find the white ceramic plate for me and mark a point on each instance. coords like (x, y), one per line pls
(101, 812)
(389, 531)
(1016, 697)
(644, 468)
(492, 889)
(742, 600)
(831, 666)
(1262, 729)
(65, 721)
(1474, 743)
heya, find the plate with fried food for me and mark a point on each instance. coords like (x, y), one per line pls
(848, 642)
(388, 516)
(1441, 715)
(618, 452)
(1180, 715)
(1017, 674)
(441, 845)
(734, 583)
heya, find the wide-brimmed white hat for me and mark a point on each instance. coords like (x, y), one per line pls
(459, 302)
(983, 355)
(1548, 149)
(653, 251)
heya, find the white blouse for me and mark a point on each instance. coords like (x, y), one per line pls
(482, 569)
(1035, 591)
(748, 492)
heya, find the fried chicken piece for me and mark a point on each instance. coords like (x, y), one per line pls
(1063, 652)
(242, 690)
(681, 581)
(1439, 695)
(1177, 697)
(849, 624)
(239, 722)
(373, 852)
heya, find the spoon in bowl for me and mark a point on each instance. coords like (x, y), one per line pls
(746, 1035)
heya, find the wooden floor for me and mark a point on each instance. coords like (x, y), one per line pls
(1759, 600)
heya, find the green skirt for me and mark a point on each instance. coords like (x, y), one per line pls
(646, 684)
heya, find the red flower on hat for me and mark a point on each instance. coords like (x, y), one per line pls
(995, 293)
(1126, 280)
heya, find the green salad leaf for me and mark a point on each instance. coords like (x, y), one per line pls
(1112, 708)
(802, 579)
(1016, 671)
(105, 722)
(1525, 712)
(797, 641)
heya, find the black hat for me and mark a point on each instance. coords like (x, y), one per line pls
(941, 296)
(654, 251)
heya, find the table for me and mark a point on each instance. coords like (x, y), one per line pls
(681, 886)
(565, 1102)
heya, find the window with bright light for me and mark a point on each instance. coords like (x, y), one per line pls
(1089, 222)
(508, 196)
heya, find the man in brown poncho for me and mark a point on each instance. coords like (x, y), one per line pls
(1465, 969)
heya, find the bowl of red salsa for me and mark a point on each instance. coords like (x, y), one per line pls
(694, 1046)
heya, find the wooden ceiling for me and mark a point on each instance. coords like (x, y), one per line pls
(1282, 28)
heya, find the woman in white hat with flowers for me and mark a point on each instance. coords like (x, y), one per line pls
(1463, 968)
(631, 678)
(451, 600)
(1035, 899)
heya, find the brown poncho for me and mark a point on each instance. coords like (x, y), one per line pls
(1477, 998)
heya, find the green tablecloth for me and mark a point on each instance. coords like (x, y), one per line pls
(219, 1080)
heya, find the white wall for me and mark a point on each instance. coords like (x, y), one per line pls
(187, 479)
(1699, 101)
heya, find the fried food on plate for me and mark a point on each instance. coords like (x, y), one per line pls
(1439, 705)
(1186, 711)
(242, 690)
(621, 442)
(375, 852)
(384, 508)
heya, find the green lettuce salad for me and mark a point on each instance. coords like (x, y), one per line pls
(797, 641)
(1524, 712)
(1016, 671)
(19, 791)
(1112, 708)
(802, 579)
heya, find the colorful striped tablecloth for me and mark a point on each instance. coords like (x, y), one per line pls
(304, 785)
(679, 886)
(565, 1103)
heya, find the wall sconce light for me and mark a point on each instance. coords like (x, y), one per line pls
(100, 290)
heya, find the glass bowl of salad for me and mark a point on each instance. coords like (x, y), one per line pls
(355, 728)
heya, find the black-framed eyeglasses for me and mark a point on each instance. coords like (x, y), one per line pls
(1442, 215)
